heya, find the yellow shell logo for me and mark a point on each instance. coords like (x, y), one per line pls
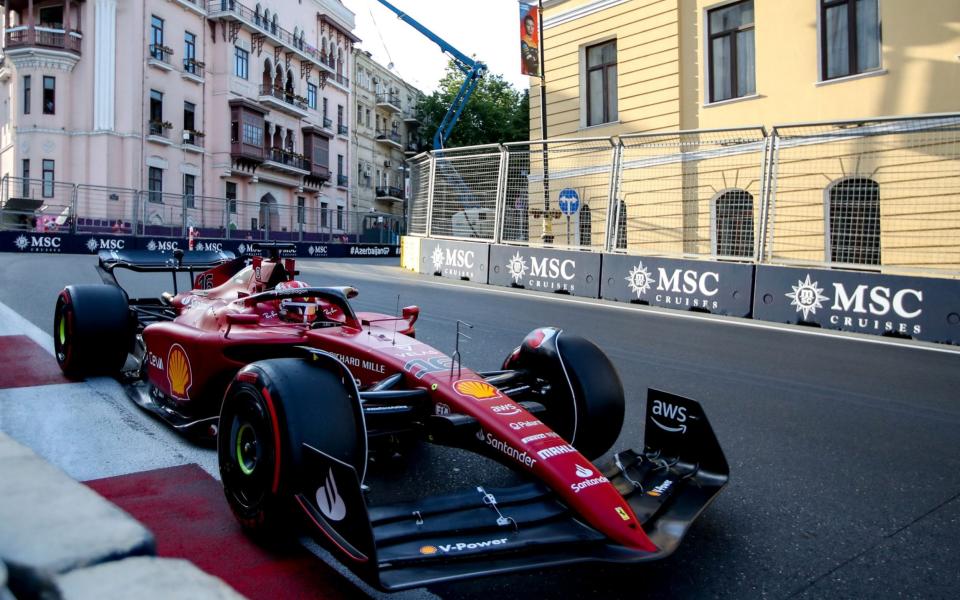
(179, 374)
(428, 550)
(481, 390)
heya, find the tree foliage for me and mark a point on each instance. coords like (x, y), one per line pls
(496, 112)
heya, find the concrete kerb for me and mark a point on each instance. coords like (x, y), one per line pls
(51, 524)
(144, 578)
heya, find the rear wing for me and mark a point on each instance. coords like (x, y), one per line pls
(145, 261)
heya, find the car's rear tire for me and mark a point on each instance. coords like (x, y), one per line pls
(91, 330)
(270, 410)
(586, 402)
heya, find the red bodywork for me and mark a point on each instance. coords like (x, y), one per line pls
(193, 358)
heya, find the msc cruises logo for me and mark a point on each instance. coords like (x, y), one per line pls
(517, 267)
(639, 280)
(807, 296)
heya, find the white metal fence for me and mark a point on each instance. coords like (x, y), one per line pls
(44, 205)
(881, 194)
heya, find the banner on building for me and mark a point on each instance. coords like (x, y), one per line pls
(529, 40)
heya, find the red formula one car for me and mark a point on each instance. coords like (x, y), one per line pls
(299, 389)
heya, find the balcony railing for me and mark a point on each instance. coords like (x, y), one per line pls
(389, 99)
(194, 138)
(342, 129)
(410, 116)
(45, 37)
(290, 159)
(283, 95)
(193, 66)
(342, 180)
(384, 191)
(158, 128)
(339, 78)
(328, 123)
(392, 136)
(218, 8)
(161, 53)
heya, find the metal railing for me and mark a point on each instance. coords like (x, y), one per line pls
(286, 96)
(389, 191)
(48, 37)
(877, 194)
(50, 206)
(393, 136)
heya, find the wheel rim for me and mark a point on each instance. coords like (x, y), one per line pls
(62, 334)
(248, 450)
(63, 331)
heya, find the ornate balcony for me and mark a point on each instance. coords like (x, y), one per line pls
(284, 101)
(279, 159)
(389, 101)
(389, 138)
(385, 192)
(42, 37)
(342, 181)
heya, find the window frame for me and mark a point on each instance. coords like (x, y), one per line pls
(828, 236)
(53, 95)
(230, 192)
(301, 210)
(156, 37)
(189, 198)
(604, 67)
(47, 187)
(852, 56)
(715, 225)
(241, 57)
(190, 52)
(27, 93)
(312, 95)
(710, 36)
(155, 195)
(25, 177)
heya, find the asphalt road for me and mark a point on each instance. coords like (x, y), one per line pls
(845, 469)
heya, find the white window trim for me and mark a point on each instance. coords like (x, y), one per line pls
(705, 40)
(880, 70)
(582, 58)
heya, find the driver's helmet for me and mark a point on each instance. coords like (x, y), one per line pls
(296, 310)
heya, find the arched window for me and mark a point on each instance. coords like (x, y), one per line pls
(273, 24)
(340, 61)
(266, 18)
(256, 14)
(267, 76)
(853, 221)
(733, 224)
(323, 49)
(586, 227)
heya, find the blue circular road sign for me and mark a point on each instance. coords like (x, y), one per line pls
(569, 201)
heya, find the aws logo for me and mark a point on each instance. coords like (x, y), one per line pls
(672, 412)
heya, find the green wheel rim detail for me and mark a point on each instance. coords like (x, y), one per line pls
(246, 465)
(63, 329)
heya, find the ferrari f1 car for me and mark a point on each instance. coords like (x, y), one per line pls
(299, 389)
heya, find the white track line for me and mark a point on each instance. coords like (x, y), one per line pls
(11, 323)
(667, 313)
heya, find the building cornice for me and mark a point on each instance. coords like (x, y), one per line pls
(42, 58)
(576, 13)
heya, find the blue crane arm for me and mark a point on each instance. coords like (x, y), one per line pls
(473, 69)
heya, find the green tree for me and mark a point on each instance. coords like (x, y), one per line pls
(496, 112)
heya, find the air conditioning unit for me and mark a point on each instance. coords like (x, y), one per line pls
(387, 164)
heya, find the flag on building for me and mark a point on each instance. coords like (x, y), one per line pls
(529, 40)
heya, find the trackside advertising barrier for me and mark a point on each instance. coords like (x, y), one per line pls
(69, 243)
(454, 259)
(722, 288)
(562, 271)
(919, 307)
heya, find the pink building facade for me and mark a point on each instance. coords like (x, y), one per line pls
(159, 115)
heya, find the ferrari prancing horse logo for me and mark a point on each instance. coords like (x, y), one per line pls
(179, 372)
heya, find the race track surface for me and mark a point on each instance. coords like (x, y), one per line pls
(844, 451)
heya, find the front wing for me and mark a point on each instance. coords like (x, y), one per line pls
(489, 531)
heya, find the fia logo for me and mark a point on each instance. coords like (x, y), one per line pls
(672, 412)
(329, 500)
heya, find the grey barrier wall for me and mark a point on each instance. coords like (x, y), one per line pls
(919, 307)
(562, 271)
(70, 243)
(454, 259)
(717, 287)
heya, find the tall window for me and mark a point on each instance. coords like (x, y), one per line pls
(359, 114)
(241, 63)
(602, 83)
(312, 95)
(339, 165)
(190, 52)
(231, 193)
(189, 117)
(49, 95)
(25, 174)
(731, 52)
(849, 37)
(156, 113)
(301, 210)
(734, 224)
(324, 221)
(156, 37)
(854, 222)
(47, 178)
(189, 191)
(367, 113)
(26, 94)
(325, 106)
(155, 184)
(340, 115)
(339, 217)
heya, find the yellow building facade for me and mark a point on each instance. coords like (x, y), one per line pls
(882, 194)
